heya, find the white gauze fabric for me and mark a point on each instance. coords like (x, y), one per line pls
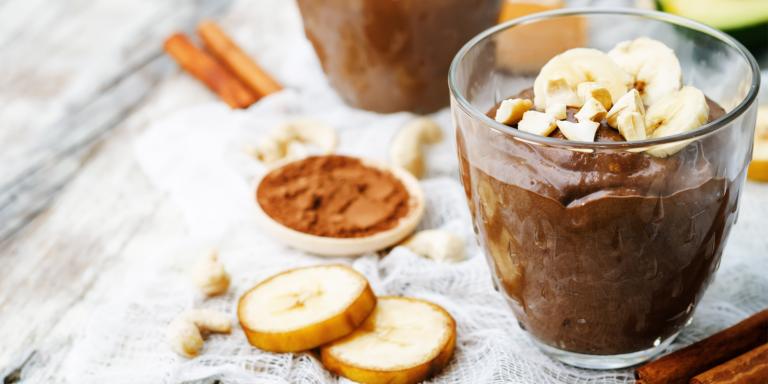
(198, 157)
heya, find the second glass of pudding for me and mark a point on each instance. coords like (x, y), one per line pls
(390, 56)
(602, 250)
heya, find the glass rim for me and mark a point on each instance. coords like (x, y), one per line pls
(702, 131)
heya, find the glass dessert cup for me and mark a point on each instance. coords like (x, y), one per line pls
(602, 250)
(389, 56)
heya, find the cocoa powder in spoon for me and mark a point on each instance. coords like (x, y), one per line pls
(333, 196)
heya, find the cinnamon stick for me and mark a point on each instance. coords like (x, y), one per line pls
(205, 68)
(749, 368)
(682, 365)
(229, 53)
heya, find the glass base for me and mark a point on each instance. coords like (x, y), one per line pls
(604, 361)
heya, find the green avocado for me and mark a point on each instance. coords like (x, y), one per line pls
(745, 20)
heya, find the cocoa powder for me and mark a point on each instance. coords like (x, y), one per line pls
(333, 196)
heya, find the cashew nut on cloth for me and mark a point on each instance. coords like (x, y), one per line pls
(186, 332)
(407, 147)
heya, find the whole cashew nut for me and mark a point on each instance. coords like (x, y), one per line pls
(282, 142)
(406, 150)
(437, 244)
(210, 276)
(185, 333)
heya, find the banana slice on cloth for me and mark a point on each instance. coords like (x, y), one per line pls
(653, 65)
(404, 341)
(576, 66)
(677, 112)
(303, 308)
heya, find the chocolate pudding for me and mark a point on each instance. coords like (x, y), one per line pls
(599, 253)
(390, 56)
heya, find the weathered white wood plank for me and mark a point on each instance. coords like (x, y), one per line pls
(68, 175)
(68, 260)
(74, 70)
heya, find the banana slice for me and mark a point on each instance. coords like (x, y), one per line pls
(558, 91)
(404, 341)
(677, 112)
(580, 65)
(653, 65)
(758, 168)
(303, 308)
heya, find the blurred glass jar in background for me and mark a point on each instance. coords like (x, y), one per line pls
(389, 56)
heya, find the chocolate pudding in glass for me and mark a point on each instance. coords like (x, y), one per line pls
(389, 56)
(604, 246)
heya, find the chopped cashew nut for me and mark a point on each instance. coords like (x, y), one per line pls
(209, 275)
(631, 125)
(282, 143)
(437, 244)
(592, 110)
(185, 333)
(406, 150)
(511, 110)
(558, 110)
(559, 92)
(629, 102)
(596, 91)
(538, 123)
(581, 131)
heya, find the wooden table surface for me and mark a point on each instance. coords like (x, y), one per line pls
(79, 80)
